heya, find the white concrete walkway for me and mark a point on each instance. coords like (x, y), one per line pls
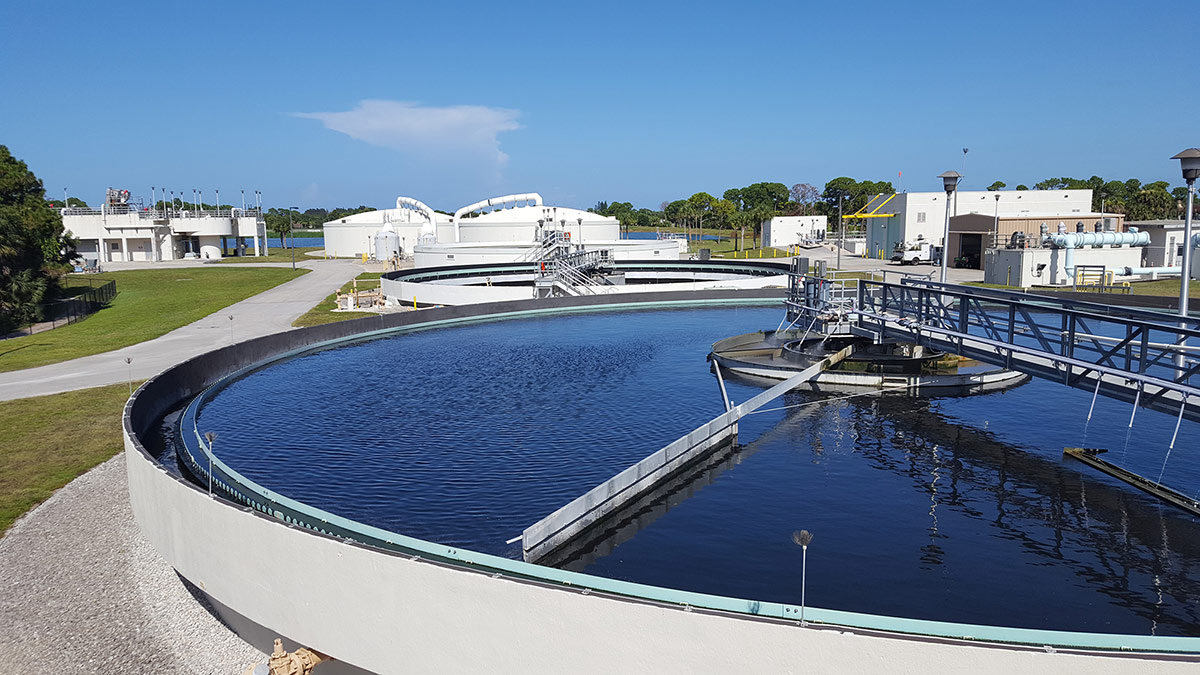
(271, 311)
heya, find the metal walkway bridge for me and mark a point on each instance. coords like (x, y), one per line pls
(1144, 357)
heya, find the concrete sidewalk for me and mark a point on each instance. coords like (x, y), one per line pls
(271, 311)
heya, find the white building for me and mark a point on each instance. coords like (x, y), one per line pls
(1166, 242)
(924, 213)
(122, 232)
(784, 231)
(496, 230)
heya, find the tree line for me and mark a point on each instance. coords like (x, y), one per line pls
(35, 251)
(746, 208)
(1137, 201)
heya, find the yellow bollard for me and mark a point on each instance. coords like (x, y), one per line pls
(414, 302)
(760, 252)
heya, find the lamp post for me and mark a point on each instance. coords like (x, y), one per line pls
(996, 234)
(950, 182)
(292, 231)
(1189, 163)
(802, 538)
(841, 230)
(211, 437)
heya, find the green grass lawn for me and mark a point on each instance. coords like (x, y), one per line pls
(45, 442)
(1164, 287)
(322, 314)
(149, 303)
(1168, 288)
(277, 255)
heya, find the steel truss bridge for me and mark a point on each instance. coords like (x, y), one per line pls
(1144, 357)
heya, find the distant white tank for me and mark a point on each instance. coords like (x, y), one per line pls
(387, 243)
(428, 234)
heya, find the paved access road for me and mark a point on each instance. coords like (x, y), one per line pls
(271, 311)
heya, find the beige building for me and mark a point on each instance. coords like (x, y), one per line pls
(973, 233)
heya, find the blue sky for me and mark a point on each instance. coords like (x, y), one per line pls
(334, 104)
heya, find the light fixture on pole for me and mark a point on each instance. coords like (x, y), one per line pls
(803, 538)
(211, 437)
(950, 183)
(1189, 163)
(996, 235)
(841, 231)
(292, 231)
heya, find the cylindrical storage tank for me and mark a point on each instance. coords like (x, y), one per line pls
(387, 243)
(210, 248)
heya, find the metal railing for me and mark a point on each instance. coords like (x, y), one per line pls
(147, 213)
(1126, 353)
(549, 247)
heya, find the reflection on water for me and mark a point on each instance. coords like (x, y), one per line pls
(958, 509)
(917, 516)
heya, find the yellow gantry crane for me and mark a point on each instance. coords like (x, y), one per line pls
(871, 210)
(868, 212)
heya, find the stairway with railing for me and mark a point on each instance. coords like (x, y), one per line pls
(572, 273)
(553, 244)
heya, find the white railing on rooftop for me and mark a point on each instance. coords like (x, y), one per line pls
(159, 213)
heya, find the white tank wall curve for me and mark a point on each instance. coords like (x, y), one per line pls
(430, 607)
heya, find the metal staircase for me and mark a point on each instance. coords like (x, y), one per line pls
(564, 272)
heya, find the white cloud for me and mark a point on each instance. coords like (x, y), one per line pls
(425, 130)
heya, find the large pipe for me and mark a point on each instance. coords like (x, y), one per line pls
(418, 206)
(1143, 271)
(494, 201)
(1073, 240)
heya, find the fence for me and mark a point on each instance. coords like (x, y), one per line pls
(80, 306)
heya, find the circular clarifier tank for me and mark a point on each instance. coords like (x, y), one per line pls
(935, 507)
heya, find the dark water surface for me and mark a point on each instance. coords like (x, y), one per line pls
(949, 508)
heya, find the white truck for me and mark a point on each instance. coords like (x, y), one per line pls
(915, 252)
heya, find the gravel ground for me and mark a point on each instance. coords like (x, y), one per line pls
(82, 592)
